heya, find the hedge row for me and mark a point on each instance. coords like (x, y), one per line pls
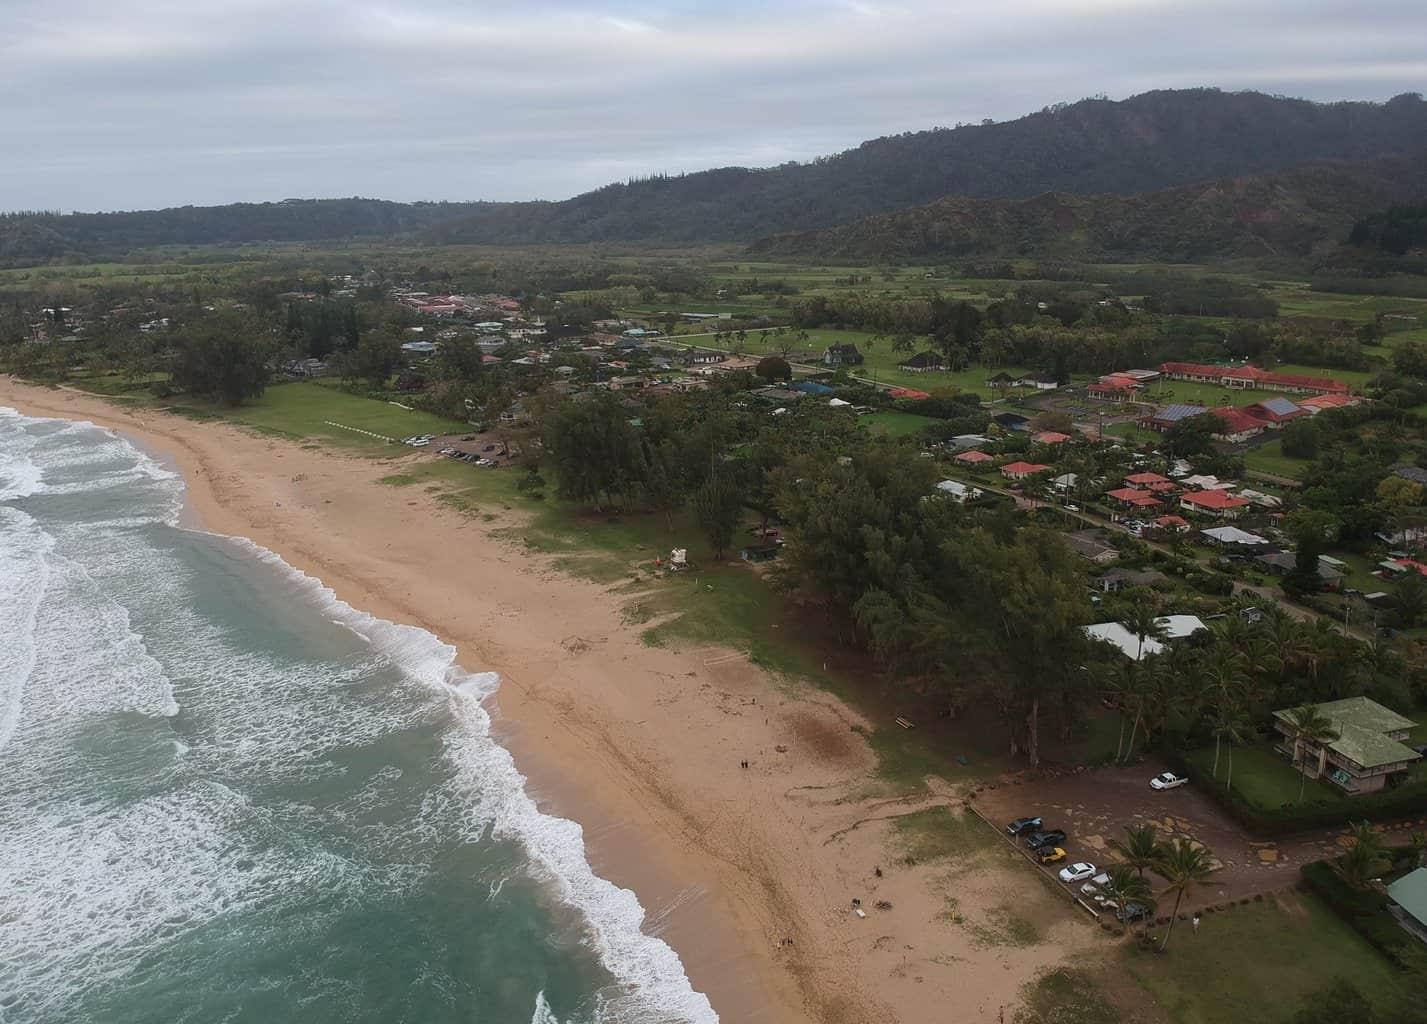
(1400, 802)
(1365, 910)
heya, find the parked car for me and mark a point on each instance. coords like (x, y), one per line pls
(1051, 854)
(1132, 912)
(1077, 872)
(1023, 825)
(1167, 780)
(1053, 837)
(1090, 888)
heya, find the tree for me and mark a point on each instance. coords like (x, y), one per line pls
(1225, 678)
(717, 507)
(1309, 725)
(1409, 602)
(1183, 865)
(459, 360)
(224, 358)
(375, 358)
(1300, 439)
(1364, 860)
(1126, 886)
(1141, 847)
(1303, 578)
(1193, 435)
(772, 368)
(595, 449)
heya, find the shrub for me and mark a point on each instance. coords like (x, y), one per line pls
(1364, 909)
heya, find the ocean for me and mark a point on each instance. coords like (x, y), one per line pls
(226, 796)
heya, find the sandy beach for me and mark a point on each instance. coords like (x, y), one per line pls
(642, 745)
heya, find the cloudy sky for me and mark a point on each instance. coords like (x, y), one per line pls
(144, 103)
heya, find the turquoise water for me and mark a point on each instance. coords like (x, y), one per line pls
(227, 797)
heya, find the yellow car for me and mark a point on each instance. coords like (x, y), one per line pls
(1051, 855)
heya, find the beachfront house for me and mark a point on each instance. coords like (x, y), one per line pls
(1369, 753)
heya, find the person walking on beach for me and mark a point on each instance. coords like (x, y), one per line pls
(1195, 924)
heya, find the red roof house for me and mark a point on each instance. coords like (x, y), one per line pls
(1318, 403)
(1177, 523)
(1220, 504)
(1253, 377)
(1022, 470)
(1051, 437)
(1238, 425)
(972, 458)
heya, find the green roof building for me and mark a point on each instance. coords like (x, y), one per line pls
(1369, 753)
(1409, 902)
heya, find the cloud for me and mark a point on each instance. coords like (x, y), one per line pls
(164, 102)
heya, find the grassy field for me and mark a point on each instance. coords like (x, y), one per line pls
(1258, 963)
(897, 424)
(306, 410)
(1269, 458)
(1262, 777)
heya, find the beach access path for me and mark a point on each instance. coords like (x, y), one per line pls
(644, 747)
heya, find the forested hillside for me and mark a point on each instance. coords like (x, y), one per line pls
(1092, 147)
(1290, 213)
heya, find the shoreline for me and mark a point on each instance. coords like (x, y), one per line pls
(640, 745)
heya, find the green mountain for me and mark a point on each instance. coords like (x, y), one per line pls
(1093, 147)
(1294, 213)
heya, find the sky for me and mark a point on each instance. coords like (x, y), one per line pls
(150, 103)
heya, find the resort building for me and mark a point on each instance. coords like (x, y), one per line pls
(1369, 753)
(1249, 377)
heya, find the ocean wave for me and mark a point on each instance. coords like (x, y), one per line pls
(24, 578)
(20, 476)
(652, 987)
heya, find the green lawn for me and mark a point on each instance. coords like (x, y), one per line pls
(1269, 458)
(897, 424)
(1134, 433)
(1258, 963)
(301, 410)
(1262, 777)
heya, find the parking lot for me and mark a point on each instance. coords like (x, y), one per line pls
(1094, 806)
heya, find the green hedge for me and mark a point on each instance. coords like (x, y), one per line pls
(1400, 802)
(1365, 910)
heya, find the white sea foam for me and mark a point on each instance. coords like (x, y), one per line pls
(24, 575)
(543, 1014)
(652, 985)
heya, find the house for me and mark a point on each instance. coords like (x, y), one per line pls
(1113, 387)
(759, 553)
(1164, 418)
(702, 357)
(1218, 504)
(1022, 470)
(1173, 524)
(1152, 482)
(419, 348)
(1408, 902)
(972, 458)
(1369, 753)
(1065, 482)
(1275, 412)
(1282, 563)
(1238, 425)
(1131, 645)
(962, 441)
(1413, 474)
(922, 362)
(491, 343)
(1051, 437)
(1247, 377)
(1133, 498)
(842, 355)
(1038, 381)
(1322, 403)
(1091, 545)
(1233, 537)
(958, 491)
(1012, 421)
(1000, 380)
(1116, 580)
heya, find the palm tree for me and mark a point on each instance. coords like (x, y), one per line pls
(1141, 849)
(1144, 622)
(1364, 859)
(1226, 678)
(1126, 887)
(1182, 865)
(1309, 725)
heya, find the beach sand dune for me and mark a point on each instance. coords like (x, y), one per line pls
(644, 746)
